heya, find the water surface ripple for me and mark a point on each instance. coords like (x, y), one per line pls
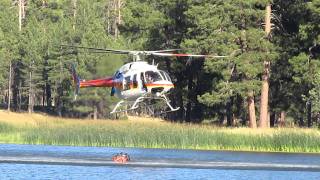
(66, 162)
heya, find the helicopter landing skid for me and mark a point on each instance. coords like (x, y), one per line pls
(168, 103)
(139, 100)
(133, 107)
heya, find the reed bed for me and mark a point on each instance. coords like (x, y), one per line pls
(155, 134)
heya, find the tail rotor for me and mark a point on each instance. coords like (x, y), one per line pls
(76, 80)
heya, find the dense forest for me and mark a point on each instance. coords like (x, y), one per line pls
(272, 77)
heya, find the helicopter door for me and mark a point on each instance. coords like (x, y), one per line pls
(126, 83)
(134, 82)
(130, 87)
(143, 82)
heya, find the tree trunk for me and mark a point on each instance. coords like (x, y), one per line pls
(95, 107)
(95, 112)
(20, 14)
(282, 119)
(251, 110)
(268, 120)
(301, 122)
(119, 12)
(20, 97)
(60, 93)
(43, 97)
(108, 17)
(190, 84)
(74, 14)
(9, 86)
(272, 119)
(23, 12)
(178, 97)
(48, 95)
(229, 112)
(309, 113)
(181, 111)
(263, 123)
(31, 99)
(115, 15)
(115, 23)
(268, 19)
(47, 86)
(59, 109)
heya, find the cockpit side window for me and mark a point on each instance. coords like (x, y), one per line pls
(168, 77)
(165, 75)
(152, 76)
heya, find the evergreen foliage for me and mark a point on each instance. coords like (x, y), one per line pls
(212, 88)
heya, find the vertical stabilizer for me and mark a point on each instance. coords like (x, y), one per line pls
(76, 80)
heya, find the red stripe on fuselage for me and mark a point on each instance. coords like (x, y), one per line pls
(109, 82)
(106, 82)
(159, 85)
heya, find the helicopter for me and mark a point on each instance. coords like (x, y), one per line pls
(136, 81)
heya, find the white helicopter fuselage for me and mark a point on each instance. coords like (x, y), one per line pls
(139, 79)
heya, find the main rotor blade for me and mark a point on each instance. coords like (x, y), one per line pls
(99, 49)
(166, 50)
(101, 52)
(121, 51)
(165, 53)
(186, 55)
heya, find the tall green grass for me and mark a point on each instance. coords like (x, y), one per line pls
(6, 127)
(159, 135)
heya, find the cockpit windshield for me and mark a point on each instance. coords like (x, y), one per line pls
(165, 76)
(152, 76)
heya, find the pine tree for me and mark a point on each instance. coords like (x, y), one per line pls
(9, 47)
(298, 67)
(231, 26)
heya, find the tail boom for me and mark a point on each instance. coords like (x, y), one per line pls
(105, 82)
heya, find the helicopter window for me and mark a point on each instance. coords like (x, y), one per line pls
(134, 81)
(118, 75)
(152, 76)
(126, 84)
(165, 75)
(162, 74)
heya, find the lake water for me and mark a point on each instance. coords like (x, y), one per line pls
(64, 162)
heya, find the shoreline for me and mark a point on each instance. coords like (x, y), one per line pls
(37, 129)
